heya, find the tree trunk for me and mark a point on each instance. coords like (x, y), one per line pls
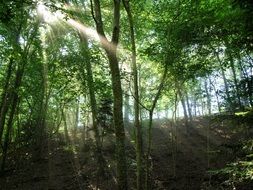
(174, 135)
(195, 106)
(174, 113)
(93, 103)
(110, 49)
(246, 77)
(138, 141)
(188, 106)
(232, 65)
(118, 121)
(65, 125)
(148, 183)
(7, 134)
(14, 101)
(41, 120)
(4, 98)
(209, 109)
(231, 107)
(126, 108)
(216, 95)
(184, 109)
(76, 119)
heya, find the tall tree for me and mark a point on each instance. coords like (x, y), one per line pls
(93, 102)
(110, 48)
(138, 138)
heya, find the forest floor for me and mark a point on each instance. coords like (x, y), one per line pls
(180, 159)
(54, 170)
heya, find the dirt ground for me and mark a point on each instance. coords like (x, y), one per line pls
(55, 170)
(180, 159)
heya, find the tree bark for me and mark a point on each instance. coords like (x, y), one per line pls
(148, 184)
(14, 102)
(7, 133)
(93, 103)
(65, 125)
(188, 106)
(208, 98)
(138, 141)
(184, 108)
(247, 78)
(4, 98)
(126, 108)
(231, 107)
(110, 49)
(232, 65)
(216, 95)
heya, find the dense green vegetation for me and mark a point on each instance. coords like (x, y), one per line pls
(114, 66)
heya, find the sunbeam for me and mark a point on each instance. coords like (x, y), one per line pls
(54, 18)
(50, 18)
(46, 15)
(87, 31)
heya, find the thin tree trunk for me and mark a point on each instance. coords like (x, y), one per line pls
(66, 133)
(148, 183)
(4, 98)
(174, 135)
(184, 109)
(126, 108)
(41, 120)
(174, 114)
(93, 104)
(195, 106)
(76, 119)
(138, 141)
(14, 101)
(188, 106)
(232, 65)
(216, 95)
(8, 130)
(246, 77)
(208, 98)
(231, 107)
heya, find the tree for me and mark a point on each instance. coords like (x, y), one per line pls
(93, 103)
(111, 52)
(138, 139)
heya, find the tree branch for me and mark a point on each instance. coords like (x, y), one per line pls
(98, 18)
(92, 12)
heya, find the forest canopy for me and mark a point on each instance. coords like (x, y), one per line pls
(113, 69)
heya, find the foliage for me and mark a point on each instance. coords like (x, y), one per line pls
(240, 171)
(205, 47)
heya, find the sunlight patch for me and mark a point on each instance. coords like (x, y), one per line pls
(47, 16)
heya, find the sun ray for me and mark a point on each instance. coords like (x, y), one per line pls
(90, 33)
